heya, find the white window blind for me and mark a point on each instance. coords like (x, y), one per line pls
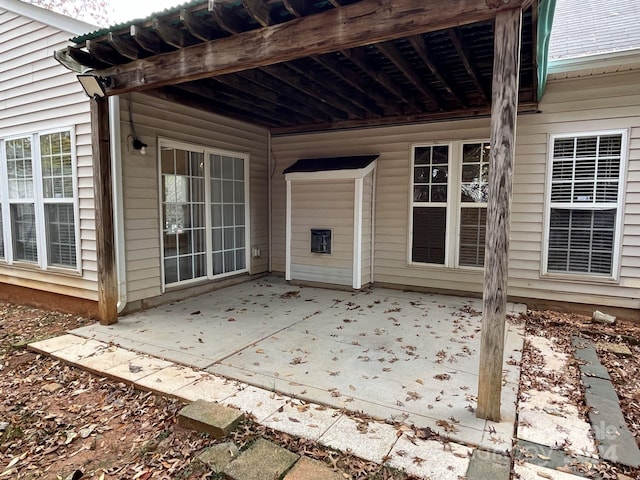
(583, 207)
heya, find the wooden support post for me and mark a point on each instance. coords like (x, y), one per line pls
(504, 108)
(105, 248)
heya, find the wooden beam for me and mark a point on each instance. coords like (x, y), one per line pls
(346, 94)
(506, 68)
(85, 58)
(362, 62)
(275, 98)
(262, 78)
(297, 8)
(454, 35)
(243, 103)
(361, 23)
(350, 77)
(105, 248)
(198, 27)
(259, 11)
(401, 63)
(180, 97)
(148, 41)
(169, 35)
(124, 46)
(426, 117)
(419, 45)
(220, 13)
(322, 96)
(104, 54)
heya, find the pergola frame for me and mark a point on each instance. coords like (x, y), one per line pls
(362, 23)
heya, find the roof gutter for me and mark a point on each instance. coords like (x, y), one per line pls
(546, 10)
(600, 60)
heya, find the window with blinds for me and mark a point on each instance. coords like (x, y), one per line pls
(583, 203)
(449, 203)
(57, 192)
(38, 200)
(430, 190)
(473, 198)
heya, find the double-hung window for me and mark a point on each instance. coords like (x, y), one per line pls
(38, 221)
(204, 209)
(449, 204)
(584, 194)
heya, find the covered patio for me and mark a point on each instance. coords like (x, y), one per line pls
(292, 67)
(394, 355)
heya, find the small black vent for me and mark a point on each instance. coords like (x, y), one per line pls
(320, 240)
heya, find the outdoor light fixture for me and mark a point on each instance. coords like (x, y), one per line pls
(139, 145)
(94, 86)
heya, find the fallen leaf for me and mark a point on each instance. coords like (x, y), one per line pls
(544, 475)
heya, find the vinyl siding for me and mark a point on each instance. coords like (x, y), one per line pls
(38, 94)
(313, 207)
(569, 106)
(153, 119)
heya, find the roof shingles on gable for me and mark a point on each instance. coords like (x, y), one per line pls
(591, 27)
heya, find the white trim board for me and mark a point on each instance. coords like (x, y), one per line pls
(53, 19)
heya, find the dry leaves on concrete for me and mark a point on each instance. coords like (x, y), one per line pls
(624, 370)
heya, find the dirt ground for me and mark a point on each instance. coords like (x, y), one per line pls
(59, 422)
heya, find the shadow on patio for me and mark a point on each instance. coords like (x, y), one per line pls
(400, 356)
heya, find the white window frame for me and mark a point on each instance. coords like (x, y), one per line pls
(39, 204)
(206, 151)
(619, 206)
(454, 205)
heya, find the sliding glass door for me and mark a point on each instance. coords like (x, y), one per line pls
(204, 212)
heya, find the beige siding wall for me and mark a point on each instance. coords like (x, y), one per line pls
(367, 228)
(313, 208)
(38, 94)
(572, 105)
(154, 118)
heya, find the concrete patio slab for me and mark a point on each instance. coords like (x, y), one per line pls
(78, 351)
(139, 367)
(208, 387)
(528, 471)
(51, 345)
(547, 418)
(303, 420)
(257, 402)
(169, 379)
(369, 440)
(107, 358)
(429, 458)
(391, 354)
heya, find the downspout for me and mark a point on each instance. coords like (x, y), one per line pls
(117, 194)
(269, 202)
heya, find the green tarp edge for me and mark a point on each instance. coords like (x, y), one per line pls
(546, 9)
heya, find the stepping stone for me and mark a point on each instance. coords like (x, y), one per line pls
(261, 461)
(545, 456)
(488, 466)
(587, 357)
(219, 456)
(309, 469)
(619, 349)
(615, 441)
(208, 417)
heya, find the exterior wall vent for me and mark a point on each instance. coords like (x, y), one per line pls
(320, 240)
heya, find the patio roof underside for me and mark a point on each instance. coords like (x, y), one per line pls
(441, 74)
